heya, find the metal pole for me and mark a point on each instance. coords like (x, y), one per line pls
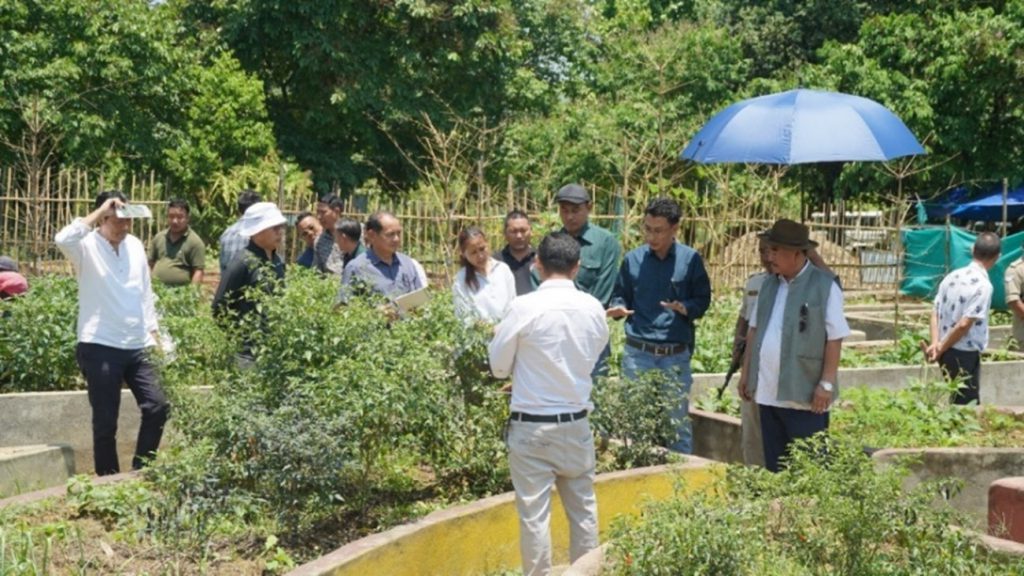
(1006, 194)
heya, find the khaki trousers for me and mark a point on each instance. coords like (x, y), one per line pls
(750, 428)
(542, 456)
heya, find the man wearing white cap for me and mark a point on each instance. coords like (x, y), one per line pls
(117, 323)
(258, 265)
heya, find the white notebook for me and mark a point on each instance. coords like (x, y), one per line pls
(414, 299)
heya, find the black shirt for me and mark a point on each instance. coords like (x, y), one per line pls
(520, 269)
(249, 268)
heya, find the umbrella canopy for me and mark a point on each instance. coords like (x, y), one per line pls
(800, 127)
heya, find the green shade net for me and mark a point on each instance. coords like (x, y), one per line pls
(931, 253)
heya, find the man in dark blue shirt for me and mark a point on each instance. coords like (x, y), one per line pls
(661, 289)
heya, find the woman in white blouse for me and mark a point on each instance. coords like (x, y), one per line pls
(484, 287)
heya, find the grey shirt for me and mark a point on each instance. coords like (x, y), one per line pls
(367, 274)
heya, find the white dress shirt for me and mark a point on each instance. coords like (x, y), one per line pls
(771, 346)
(549, 342)
(116, 304)
(492, 297)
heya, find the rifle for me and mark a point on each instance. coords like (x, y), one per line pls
(733, 368)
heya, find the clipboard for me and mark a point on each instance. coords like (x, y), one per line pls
(412, 300)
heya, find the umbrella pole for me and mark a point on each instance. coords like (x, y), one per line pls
(1006, 194)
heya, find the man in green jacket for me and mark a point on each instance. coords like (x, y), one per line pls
(599, 252)
(794, 342)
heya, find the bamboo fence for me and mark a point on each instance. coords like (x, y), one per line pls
(32, 210)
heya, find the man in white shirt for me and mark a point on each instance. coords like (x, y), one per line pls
(117, 322)
(794, 342)
(232, 242)
(959, 326)
(549, 342)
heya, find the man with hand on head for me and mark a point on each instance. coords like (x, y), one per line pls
(549, 342)
(117, 325)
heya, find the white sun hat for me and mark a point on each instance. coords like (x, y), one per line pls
(259, 217)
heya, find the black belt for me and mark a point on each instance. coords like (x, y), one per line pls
(549, 418)
(657, 349)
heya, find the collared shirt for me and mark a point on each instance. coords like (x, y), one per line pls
(549, 342)
(965, 292)
(175, 262)
(520, 268)
(1014, 284)
(750, 292)
(368, 273)
(771, 346)
(490, 301)
(645, 281)
(116, 305)
(599, 261)
(327, 257)
(306, 258)
(230, 244)
(348, 257)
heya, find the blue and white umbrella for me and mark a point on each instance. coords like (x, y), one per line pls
(800, 127)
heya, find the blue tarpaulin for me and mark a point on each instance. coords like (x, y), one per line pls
(934, 251)
(989, 208)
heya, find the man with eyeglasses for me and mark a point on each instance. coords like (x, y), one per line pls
(794, 342)
(661, 290)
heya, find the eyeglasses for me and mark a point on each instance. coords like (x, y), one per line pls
(803, 317)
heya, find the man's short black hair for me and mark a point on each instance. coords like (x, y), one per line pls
(373, 222)
(104, 196)
(666, 208)
(327, 198)
(515, 214)
(349, 228)
(337, 204)
(247, 198)
(559, 253)
(302, 216)
(179, 203)
(987, 246)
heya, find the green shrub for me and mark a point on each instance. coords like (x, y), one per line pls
(37, 337)
(831, 512)
(635, 412)
(344, 417)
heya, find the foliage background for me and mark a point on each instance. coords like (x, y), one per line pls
(490, 98)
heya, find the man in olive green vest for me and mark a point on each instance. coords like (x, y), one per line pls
(794, 343)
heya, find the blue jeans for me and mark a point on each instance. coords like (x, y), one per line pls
(677, 367)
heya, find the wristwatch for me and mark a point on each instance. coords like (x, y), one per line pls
(826, 386)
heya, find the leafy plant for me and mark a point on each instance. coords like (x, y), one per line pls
(37, 337)
(832, 511)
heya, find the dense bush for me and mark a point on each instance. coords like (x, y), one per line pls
(824, 515)
(37, 337)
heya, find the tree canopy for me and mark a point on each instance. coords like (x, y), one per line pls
(535, 92)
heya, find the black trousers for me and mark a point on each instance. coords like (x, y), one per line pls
(967, 366)
(105, 368)
(781, 426)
